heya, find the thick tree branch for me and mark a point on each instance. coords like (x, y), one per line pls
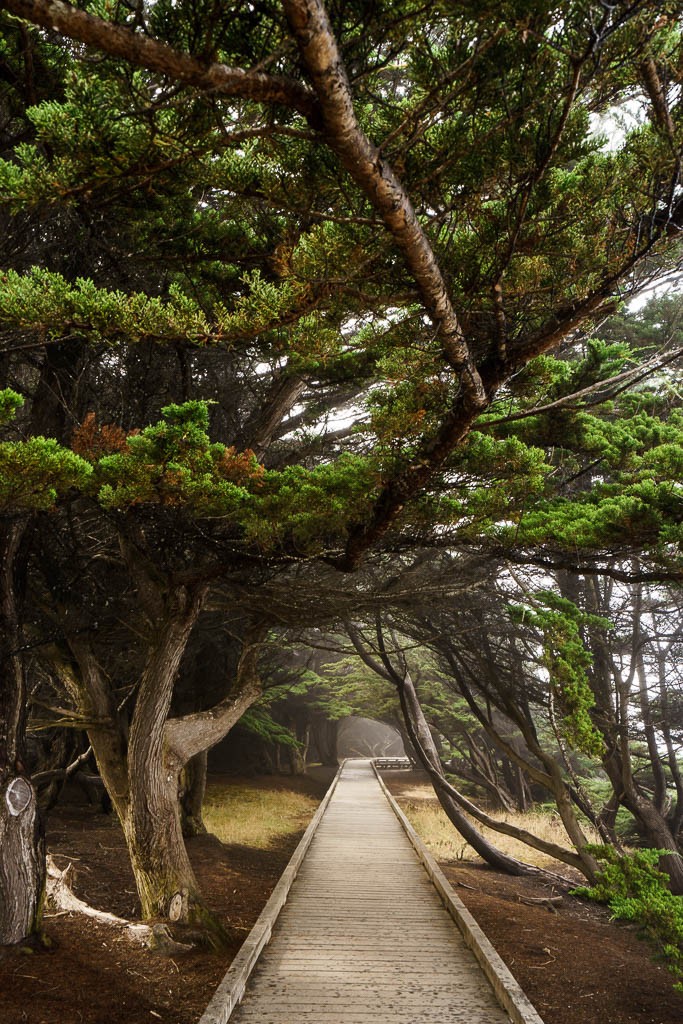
(190, 735)
(364, 162)
(262, 426)
(142, 51)
(660, 107)
(604, 389)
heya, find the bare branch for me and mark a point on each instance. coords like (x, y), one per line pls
(628, 378)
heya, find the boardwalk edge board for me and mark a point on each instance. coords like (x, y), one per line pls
(507, 989)
(231, 989)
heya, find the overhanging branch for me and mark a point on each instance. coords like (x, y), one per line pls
(364, 162)
(145, 52)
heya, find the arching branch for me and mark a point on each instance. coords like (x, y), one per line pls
(145, 52)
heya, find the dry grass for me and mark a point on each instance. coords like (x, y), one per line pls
(430, 822)
(254, 817)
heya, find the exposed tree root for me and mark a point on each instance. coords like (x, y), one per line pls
(60, 894)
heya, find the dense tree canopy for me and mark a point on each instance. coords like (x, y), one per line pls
(288, 291)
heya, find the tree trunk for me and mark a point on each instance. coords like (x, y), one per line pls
(22, 861)
(22, 853)
(421, 735)
(660, 797)
(141, 766)
(675, 818)
(658, 835)
(298, 755)
(80, 673)
(613, 719)
(164, 877)
(549, 776)
(192, 790)
(158, 751)
(607, 819)
(516, 784)
(484, 772)
(325, 733)
(297, 764)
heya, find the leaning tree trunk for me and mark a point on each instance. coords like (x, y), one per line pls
(22, 854)
(656, 829)
(617, 759)
(424, 746)
(143, 774)
(158, 751)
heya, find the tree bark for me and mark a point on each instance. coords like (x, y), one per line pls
(423, 743)
(549, 776)
(22, 853)
(143, 775)
(83, 679)
(675, 819)
(166, 882)
(143, 51)
(192, 790)
(190, 734)
(365, 163)
(613, 717)
(22, 861)
(658, 774)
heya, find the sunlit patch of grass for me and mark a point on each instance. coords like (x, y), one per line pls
(255, 817)
(440, 837)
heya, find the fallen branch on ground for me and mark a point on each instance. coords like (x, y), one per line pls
(63, 898)
(550, 902)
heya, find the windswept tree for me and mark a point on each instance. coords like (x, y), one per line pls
(634, 680)
(352, 230)
(459, 639)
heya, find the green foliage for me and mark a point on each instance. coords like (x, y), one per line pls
(355, 689)
(34, 473)
(310, 508)
(636, 890)
(258, 723)
(10, 403)
(566, 659)
(174, 464)
(46, 302)
(614, 467)
(238, 230)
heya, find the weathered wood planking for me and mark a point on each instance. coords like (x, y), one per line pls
(364, 937)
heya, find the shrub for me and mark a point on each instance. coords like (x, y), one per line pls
(636, 890)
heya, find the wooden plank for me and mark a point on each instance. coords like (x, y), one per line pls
(230, 990)
(505, 985)
(363, 937)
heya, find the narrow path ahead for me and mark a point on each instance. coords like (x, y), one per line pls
(364, 937)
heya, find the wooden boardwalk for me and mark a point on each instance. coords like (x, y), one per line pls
(364, 937)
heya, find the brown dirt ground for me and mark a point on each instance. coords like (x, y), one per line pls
(576, 966)
(96, 974)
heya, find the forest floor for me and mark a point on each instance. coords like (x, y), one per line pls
(575, 965)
